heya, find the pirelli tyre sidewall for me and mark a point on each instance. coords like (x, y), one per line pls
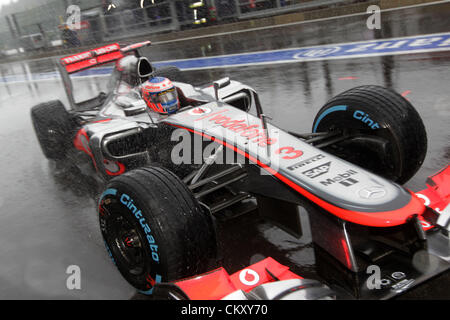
(376, 112)
(172, 237)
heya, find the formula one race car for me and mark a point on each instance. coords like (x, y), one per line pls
(171, 177)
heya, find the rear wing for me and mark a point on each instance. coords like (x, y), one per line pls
(90, 59)
(96, 57)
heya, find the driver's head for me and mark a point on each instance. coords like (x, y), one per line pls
(160, 95)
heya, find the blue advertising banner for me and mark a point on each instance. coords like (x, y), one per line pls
(364, 49)
(406, 45)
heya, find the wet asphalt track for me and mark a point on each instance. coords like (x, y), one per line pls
(47, 215)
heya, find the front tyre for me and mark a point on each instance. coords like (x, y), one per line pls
(154, 229)
(384, 133)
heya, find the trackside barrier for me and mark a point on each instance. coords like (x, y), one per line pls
(100, 25)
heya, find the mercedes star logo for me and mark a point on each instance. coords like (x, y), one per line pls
(372, 192)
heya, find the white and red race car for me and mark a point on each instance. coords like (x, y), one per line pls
(170, 179)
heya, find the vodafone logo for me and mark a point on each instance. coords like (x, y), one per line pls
(252, 132)
(249, 277)
(199, 111)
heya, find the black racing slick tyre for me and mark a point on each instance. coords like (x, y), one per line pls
(154, 229)
(385, 134)
(170, 72)
(54, 127)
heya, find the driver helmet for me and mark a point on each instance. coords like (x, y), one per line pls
(160, 95)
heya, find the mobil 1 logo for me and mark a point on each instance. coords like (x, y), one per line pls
(344, 179)
(318, 171)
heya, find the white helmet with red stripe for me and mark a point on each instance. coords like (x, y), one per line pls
(160, 95)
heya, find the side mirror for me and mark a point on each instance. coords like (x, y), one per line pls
(135, 108)
(219, 84)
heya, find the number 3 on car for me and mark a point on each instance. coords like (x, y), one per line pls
(289, 151)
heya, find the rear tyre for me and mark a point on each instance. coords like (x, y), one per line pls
(385, 133)
(54, 127)
(154, 229)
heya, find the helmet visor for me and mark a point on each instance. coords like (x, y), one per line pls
(165, 97)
